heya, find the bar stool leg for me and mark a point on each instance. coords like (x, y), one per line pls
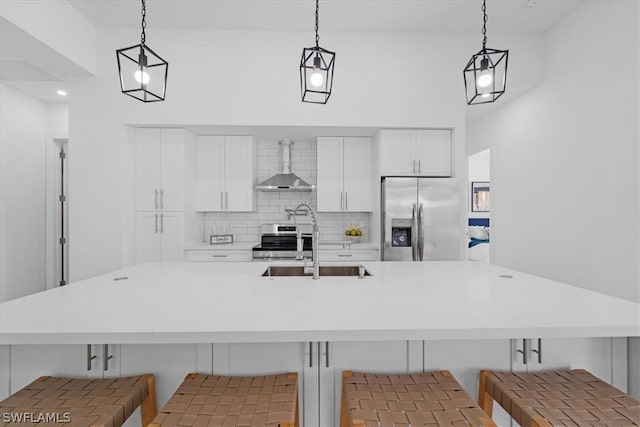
(485, 401)
(297, 416)
(149, 407)
(344, 411)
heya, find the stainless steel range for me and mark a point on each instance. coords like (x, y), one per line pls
(279, 242)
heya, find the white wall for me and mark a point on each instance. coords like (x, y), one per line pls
(58, 25)
(23, 131)
(564, 166)
(634, 343)
(246, 78)
(480, 166)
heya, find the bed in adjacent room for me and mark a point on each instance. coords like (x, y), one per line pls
(479, 240)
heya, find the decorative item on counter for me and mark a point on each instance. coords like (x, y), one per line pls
(217, 239)
(354, 232)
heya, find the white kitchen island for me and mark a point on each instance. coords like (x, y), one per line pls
(172, 318)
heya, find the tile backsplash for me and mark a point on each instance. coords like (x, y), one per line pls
(245, 226)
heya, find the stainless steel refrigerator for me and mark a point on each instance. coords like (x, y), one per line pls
(420, 219)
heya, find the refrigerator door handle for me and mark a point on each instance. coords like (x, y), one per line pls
(421, 232)
(414, 234)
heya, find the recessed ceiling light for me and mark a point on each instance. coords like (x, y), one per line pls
(61, 92)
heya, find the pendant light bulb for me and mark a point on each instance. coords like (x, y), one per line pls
(486, 77)
(142, 76)
(316, 78)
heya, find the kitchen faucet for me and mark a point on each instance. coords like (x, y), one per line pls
(305, 209)
(291, 213)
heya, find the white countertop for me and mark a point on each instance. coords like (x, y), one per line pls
(239, 246)
(235, 246)
(231, 302)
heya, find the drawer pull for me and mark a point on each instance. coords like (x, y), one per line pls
(218, 256)
(105, 357)
(345, 255)
(90, 357)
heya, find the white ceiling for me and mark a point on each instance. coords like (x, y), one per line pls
(44, 72)
(434, 16)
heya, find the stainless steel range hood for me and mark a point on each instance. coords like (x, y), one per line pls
(285, 181)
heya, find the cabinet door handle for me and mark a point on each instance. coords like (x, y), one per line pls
(221, 200)
(106, 357)
(310, 354)
(226, 200)
(346, 201)
(414, 167)
(155, 200)
(90, 357)
(419, 167)
(341, 201)
(161, 199)
(156, 223)
(539, 350)
(161, 223)
(326, 351)
(524, 351)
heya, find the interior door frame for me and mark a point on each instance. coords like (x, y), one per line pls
(54, 224)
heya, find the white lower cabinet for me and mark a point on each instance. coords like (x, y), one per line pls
(169, 363)
(348, 255)
(361, 356)
(28, 362)
(204, 255)
(593, 354)
(319, 364)
(272, 358)
(464, 359)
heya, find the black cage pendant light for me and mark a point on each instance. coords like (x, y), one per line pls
(316, 71)
(485, 76)
(143, 74)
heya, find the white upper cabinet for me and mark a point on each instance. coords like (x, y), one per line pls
(211, 166)
(159, 169)
(357, 175)
(344, 174)
(397, 153)
(433, 152)
(411, 152)
(330, 174)
(226, 173)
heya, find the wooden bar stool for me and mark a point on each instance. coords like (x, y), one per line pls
(212, 400)
(81, 402)
(422, 399)
(558, 398)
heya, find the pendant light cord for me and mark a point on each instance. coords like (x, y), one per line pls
(484, 24)
(144, 22)
(317, 13)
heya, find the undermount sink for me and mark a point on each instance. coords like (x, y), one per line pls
(325, 270)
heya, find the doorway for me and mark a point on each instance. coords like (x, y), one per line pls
(479, 202)
(58, 217)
